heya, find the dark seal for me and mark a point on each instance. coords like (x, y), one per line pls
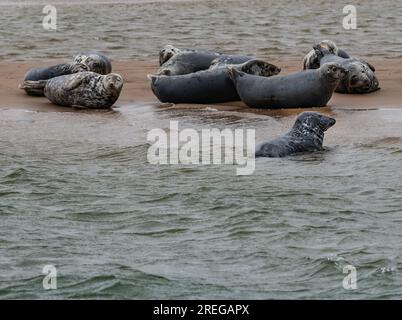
(208, 86)
(306, 135)
(361, 74)
(185, 62)
(308, 88)
(87, 61)
(311, 60)
(84, 90)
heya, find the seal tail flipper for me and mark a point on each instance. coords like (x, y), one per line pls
(152, 78)
(35, 88)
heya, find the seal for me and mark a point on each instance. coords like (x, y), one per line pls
(84, 90)
(94, 61)
(87, 61)
(311, 60)
(167, 52)
(32, 81)
(306, 135)
(308, 88)
(225, 60)
(361, 74)
(208, 86)
(186, 62)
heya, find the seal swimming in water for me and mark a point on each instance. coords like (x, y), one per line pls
(308, 88)
(84, 90)
(208, 86)
(361, 77)
(311, 60)
(87, 61)
(306, 135)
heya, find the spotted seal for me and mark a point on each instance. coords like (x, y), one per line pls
(306, 135)
(87, 61)
(361, 74)
(311, 60)
(208, 86)
(84, 90)
(308, 88)
(225, 60)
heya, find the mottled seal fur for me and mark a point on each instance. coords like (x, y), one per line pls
(311, 60)
(361, 77)
(208, 86)
(167, 52)
(306, 135)
(87, 61)
(308, 88)
(225, 60)
(84, 90)
(94, 61)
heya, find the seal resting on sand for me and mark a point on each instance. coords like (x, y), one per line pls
(306, 135)
(208, 86)
(361, 77)
(84, 90)
(87, 61)
(185, 62)
(309, 88)
(311, 60)
(225, 60)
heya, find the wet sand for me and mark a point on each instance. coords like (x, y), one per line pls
(137, 91)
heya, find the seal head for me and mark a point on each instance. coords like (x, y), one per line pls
(166, 53)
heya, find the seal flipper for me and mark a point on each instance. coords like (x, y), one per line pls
(76, 81)
(234, 73)
(33, 88)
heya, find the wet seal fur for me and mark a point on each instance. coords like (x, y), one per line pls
(361, 77)
(84, 90)
(306, 135)
(309, 88)
(311, 60)
(87, 61)
(208, 86)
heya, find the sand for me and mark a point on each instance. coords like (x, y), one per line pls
(137, 90)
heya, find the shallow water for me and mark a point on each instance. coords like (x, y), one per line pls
(76, 191)
(137, 29)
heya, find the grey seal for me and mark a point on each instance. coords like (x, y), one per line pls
(308, 88)
(311, 60)
(208, 86)
(94, 61)
(306, 135)
(87, 61)
(185, 62)
(225, 60)
(167, 52)
(84, 90)
(361, 74)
